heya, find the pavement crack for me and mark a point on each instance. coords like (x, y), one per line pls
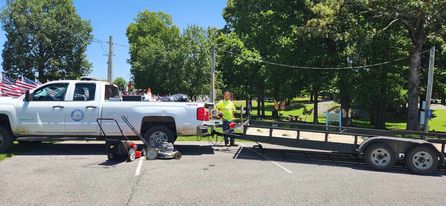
(134, 187)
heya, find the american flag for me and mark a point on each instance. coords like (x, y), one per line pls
(23, 85)
(29, 81)
(10, 88)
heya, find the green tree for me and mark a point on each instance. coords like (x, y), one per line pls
(155, 53)
(423, 22)
(46, 39)
(238, 65)
(121, 83)
(196, 45)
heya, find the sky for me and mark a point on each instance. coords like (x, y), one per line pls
(111, 18)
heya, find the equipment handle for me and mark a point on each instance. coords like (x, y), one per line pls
(109, 119)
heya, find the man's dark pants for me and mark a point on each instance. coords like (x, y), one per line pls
(227, 129)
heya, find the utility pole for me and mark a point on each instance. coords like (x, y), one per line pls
(213, 74)
(110, 61)
(430, 82)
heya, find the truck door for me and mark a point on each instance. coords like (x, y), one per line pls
(82, 110)
(45, 113)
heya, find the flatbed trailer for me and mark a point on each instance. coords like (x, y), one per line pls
(422, 152)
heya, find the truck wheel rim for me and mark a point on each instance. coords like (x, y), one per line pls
(157, 139)
(422, 160)
(380, 157)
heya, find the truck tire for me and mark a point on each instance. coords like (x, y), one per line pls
(421, 160)
(156, 135)
(6, 139)
(379, 156)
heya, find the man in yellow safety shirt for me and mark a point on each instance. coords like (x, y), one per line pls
(226, 110)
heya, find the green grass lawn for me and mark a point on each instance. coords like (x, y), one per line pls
(438, 123)
(4, 156)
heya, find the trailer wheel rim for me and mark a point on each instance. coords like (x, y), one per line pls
(380, 157)
(157, 139)
(422, 160)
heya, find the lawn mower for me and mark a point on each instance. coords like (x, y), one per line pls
(120, 148)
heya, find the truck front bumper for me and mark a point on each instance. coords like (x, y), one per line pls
(202, 130)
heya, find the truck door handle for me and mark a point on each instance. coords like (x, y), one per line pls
(91, 107)
(58, 107)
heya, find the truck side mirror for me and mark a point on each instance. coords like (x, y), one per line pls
(27, 96)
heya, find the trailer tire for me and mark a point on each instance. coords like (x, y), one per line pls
(379, 156)
(6, 139)
(421, 160)
(156, 135)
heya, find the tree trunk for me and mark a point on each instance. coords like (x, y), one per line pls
(379, 114)
(345, 97)
(417, 37)
(412, 113)
(262, 88)
(42, 77)
(443, 99)
(315, 106)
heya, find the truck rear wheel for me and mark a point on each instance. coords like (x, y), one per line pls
(156, 135)
(379, 156)
(421, 160)
(6, 139)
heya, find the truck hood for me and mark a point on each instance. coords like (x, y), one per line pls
(9, 100)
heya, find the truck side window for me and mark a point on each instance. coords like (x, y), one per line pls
(111, 92)
(51, 92)
(84, 92)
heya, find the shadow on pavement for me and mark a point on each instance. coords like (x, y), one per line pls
(91, 149)
(316, 158)
(58, 149)
(195, 149)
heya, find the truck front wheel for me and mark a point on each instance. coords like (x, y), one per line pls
(156, 135)
(379, 156)
(6, 139)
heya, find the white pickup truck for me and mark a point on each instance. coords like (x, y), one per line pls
(69, 109)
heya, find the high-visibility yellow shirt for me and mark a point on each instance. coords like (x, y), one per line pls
(227, 108)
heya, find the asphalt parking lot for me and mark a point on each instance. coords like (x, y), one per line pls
(78, 173)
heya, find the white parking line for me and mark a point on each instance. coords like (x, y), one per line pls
(272, 161)
(238, 152)
(138, 169)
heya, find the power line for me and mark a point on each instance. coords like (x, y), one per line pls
(117, 44)
(322, 68)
